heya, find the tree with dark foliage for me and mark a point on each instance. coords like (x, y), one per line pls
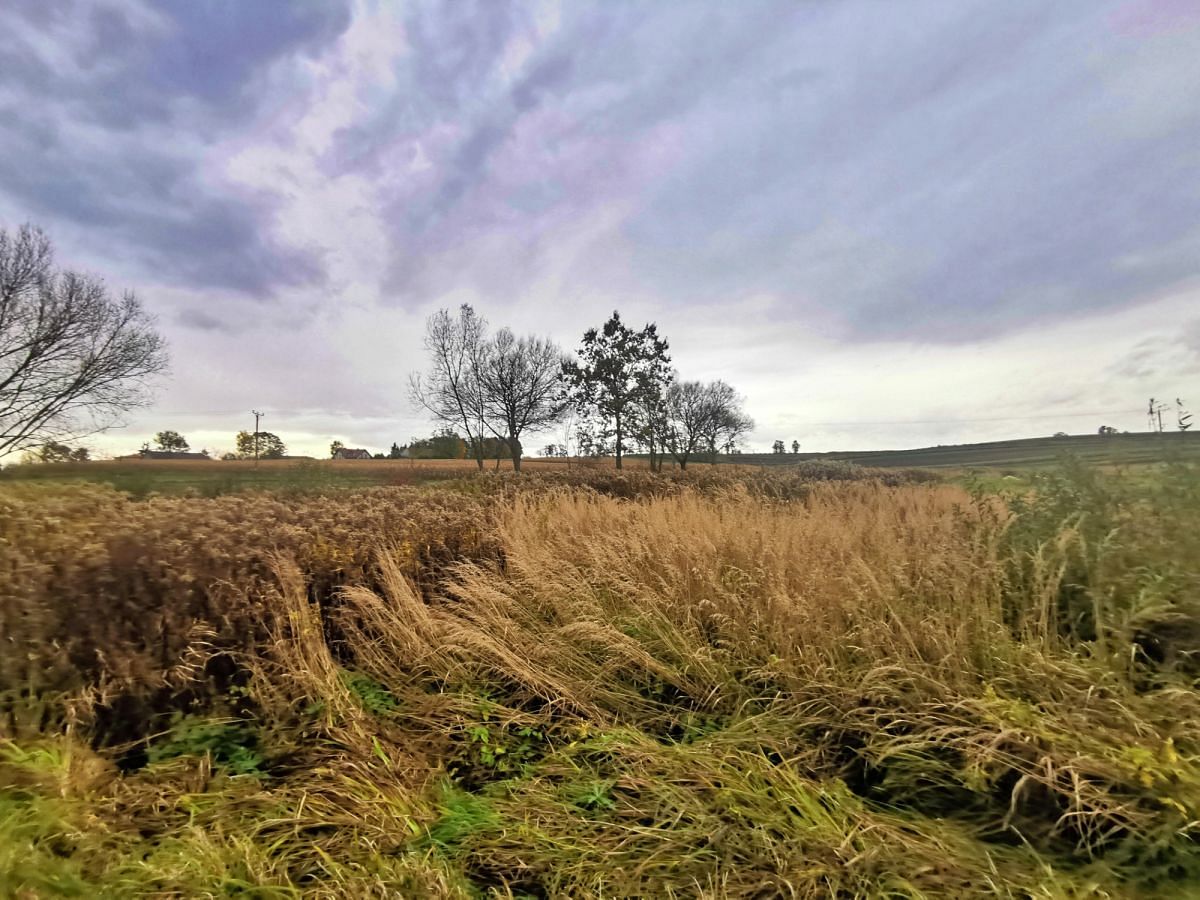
(171, 441)
(618, 369)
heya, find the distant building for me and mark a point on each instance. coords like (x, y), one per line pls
(349, 453)
(165, 454)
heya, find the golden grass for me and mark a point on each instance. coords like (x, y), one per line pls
(741, 687)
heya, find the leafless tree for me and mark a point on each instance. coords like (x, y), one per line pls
(73, 359)
(649, 425)
(703, 417)
(450, 390)
(519, 387)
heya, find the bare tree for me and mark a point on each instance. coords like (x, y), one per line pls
(73, 359)
(687, 418)
(703, 417)
(450, 390)
(519, 386)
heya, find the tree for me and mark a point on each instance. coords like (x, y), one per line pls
(55, 452)
(649, 424)
(617, 368)
(778, 447)
(73, 359)
(395, 452)
(703, 417)
(450, 389)
(269, 445)
(519, 387)
(445, 444)
(171, 441)
(334, 448)
(1107, 431)
(795, 447)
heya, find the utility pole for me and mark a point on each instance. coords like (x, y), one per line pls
(1155, 415)
(257, 416)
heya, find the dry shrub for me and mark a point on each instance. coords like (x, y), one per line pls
(141, 602)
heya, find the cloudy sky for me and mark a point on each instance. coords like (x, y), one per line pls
(887, 223)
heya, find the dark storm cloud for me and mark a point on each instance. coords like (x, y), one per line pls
(112, 109)
(935, 171)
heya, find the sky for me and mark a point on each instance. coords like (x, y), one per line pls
(887, 224)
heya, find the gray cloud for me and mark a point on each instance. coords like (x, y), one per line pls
(924, 180)
(112, 109)
(204, 321)
(938, 171)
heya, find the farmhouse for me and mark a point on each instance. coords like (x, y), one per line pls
(349, 453)
(165, 454)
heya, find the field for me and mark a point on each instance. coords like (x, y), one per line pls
(1112, 450)
(209, 479)
(216, 477)
(820, 681)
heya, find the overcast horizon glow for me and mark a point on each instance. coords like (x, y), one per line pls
(887, 225)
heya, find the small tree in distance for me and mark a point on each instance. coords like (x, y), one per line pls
(171, 441)
(269, 445)
(795, 447)
(778, 447)
(54, 452)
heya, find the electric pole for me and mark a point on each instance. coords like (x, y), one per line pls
(257, 416)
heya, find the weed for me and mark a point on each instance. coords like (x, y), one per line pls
(232, 745)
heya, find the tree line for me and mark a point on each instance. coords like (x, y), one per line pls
(619, 393)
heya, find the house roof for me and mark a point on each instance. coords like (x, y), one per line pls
(351, 453)
(166, 454)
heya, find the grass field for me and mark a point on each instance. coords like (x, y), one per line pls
(1113, 450)
(979, 461)
(822, 681)
(212, 478)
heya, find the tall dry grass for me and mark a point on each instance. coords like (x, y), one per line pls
(140, 606)
(805, 699)
(731, 689)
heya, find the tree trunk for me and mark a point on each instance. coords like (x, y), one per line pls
(619, 448)
(514, 445)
